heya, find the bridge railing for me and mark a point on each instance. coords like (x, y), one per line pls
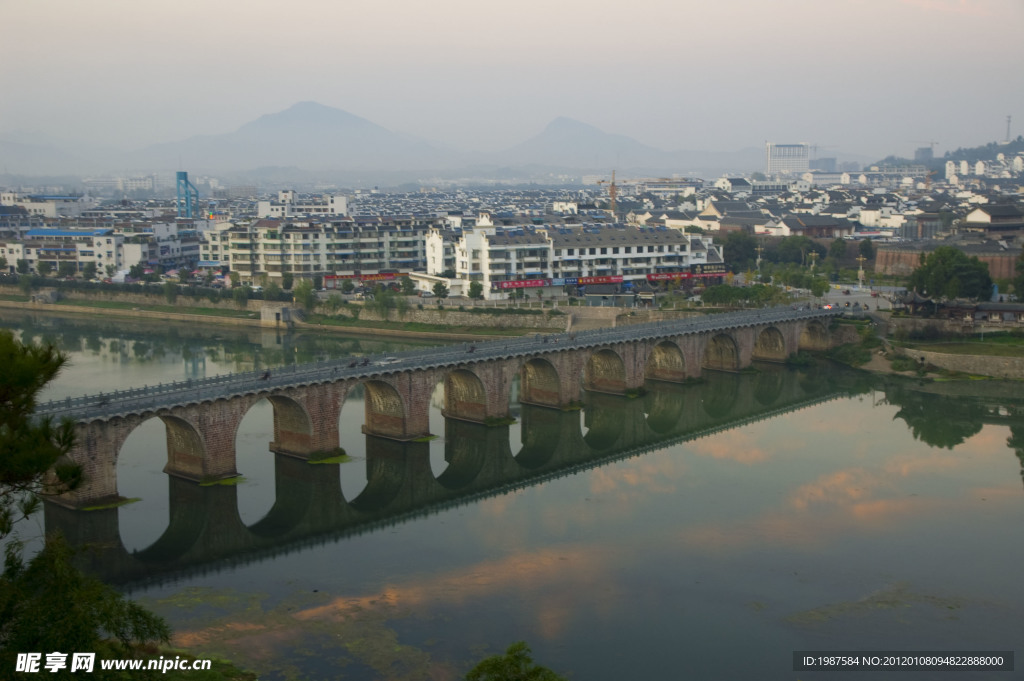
(156, 396)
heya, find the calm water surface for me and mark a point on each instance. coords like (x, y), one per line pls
(702, 531)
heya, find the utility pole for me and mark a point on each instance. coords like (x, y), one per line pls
(860, 271)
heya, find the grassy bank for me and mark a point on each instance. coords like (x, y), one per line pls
(172, 309)
(413, 327)
(993, 346)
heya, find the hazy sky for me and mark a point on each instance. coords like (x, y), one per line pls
(865, 76)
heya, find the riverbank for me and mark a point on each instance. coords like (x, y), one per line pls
(249, 318)
(1008, 366)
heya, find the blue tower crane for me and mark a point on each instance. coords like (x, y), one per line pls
(188, 196)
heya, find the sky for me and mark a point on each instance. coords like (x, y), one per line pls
(869, 77)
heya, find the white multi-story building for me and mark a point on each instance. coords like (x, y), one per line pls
(345, 247)
(289, 204)
(47, 205)
(75, 247)
(787, 159)
(503, 258)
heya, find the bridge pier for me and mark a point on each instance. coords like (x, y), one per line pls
(552, 380)
(399, 408)
(478, 393)
(306, 421)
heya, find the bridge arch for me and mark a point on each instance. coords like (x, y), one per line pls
(605, 372)
(768, 387)
(186, 449)
(539, 384)
(666, 363)
(814, 336)
(665, 408)
(465, 397)
(721, 353)
(467, 448)
(721, 399)
(293, 427)
(386, 472)
(540, 434)
(603, 420)
(385, 412)
(770, 345)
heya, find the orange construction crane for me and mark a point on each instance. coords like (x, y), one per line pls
(612, 192)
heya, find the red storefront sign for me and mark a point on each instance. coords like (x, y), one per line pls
(617, 279)
(667, 276)
(524, 283)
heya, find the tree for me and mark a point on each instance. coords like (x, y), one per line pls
(819, 287)
(304, 296)
(948, 273)
(740, 251)
(1018, 281)
(476, 290)
(287, 280)
(89, 271)
(440, 290)
(21, 266)
(318, 281)
(240, 294)
(795, 249)
(28, 449)
(111, 270)
(3, 265)
(170, 292)
(44, 268)
(866, 249)
(66, 269)
(347, 286)
(837, 249)
(47, 604)
(408, 287)
(137, 271)
(515, 665)
(235, 278)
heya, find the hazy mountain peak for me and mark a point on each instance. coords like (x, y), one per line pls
(565, 125)
(308, 114)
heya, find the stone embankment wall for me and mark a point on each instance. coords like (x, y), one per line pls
(145, 299)
(978, 365)
(450, 317)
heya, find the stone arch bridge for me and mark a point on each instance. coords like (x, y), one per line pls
(311, 505)
(202, 417)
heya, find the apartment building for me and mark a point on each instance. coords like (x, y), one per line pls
(47, 205)
(503, 258)
(57, 247)
(306, 248)
(290, 204)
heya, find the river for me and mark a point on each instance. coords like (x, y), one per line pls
(701, 531)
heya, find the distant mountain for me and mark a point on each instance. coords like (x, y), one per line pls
(307, 135)
(325, 142)
(569, 143)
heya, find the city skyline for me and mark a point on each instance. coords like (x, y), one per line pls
(870, 78)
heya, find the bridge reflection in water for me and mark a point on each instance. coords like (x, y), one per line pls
(206, 531)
